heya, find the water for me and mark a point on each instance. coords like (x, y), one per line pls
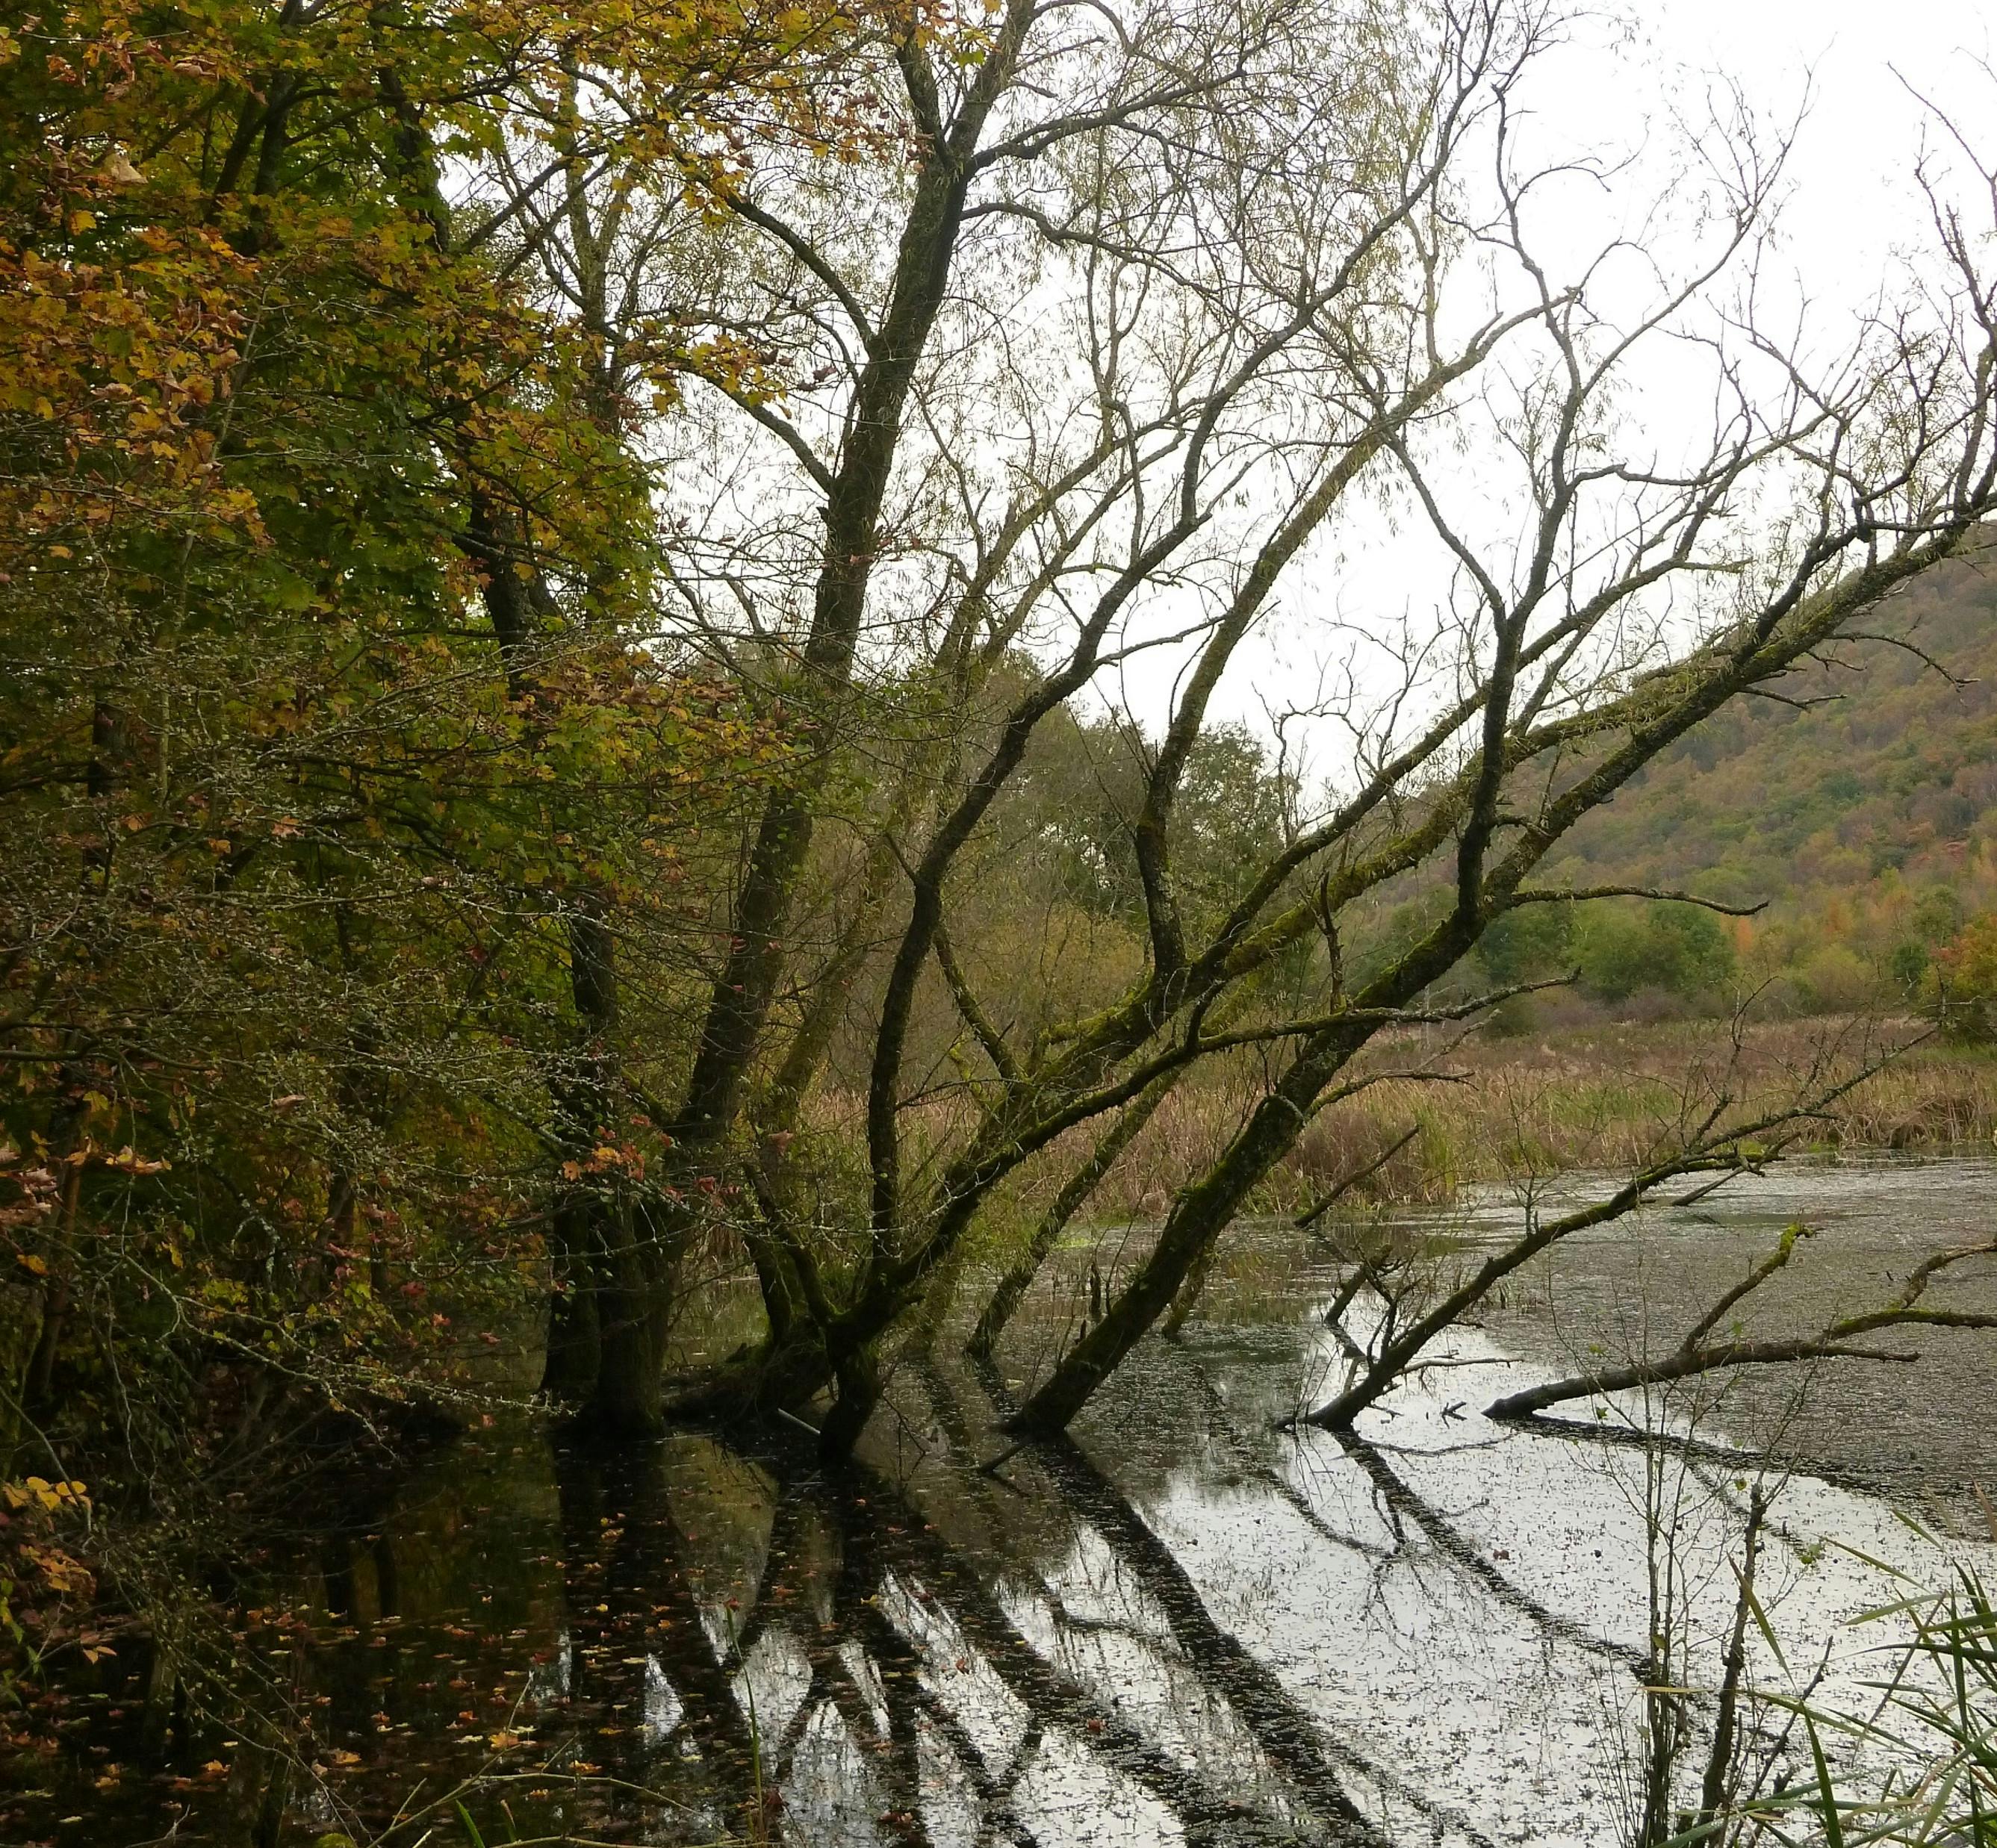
(1184, 1627)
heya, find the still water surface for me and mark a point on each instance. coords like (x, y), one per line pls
(1184, 1627)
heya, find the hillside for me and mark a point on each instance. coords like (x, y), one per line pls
(1865, 814)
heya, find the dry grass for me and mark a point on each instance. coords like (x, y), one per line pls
(1604, 1098)
(1601, 1097)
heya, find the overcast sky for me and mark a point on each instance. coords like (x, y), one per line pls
(1849, 67)
(1855, 153)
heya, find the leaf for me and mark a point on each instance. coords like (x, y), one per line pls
(1761, 1621)
(1834, 1827)
(1877, 1565)
(1908, 1521)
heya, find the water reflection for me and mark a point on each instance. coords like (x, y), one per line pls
(691, 1643)
(1182, 1627)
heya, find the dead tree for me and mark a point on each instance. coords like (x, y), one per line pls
(1839, 1339)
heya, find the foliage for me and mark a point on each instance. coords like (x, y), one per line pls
(560, 640)
(297, 834)
(45, 1589)
(1677, 948)
(1965, 987)
(1862, 825)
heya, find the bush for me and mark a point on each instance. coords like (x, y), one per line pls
(1678, 950)
(1837, 980)
(1965, 996)
(1528, 945)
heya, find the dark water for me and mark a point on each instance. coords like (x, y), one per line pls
(1184, 1627)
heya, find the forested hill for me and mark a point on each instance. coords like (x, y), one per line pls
(1866, 813)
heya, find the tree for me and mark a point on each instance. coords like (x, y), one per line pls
(1966, 987)
(1265, 315)
(1682, 950)
(327, 744)
(568, 557)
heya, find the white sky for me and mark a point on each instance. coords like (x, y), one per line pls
(1850, 200)
(1855, 153)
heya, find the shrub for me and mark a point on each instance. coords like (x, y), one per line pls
(1678, 949)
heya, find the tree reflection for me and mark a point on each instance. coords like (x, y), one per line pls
(832, 1663)
(689, 1644)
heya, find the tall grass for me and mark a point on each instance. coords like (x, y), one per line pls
(1599, 1098)
(1931, 1734)
(1603, 1096)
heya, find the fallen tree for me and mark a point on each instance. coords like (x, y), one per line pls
(1838, 1340)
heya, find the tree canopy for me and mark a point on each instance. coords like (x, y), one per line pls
(572, 577)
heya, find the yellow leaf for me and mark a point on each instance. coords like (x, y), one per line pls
(29, 1261)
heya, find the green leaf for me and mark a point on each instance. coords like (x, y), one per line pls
(1833, 1826)
(1761, 1622)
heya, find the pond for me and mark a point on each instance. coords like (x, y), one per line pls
(1185, 1626)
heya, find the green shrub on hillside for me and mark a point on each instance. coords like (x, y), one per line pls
(1678, 950)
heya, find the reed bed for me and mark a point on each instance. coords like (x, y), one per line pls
(1600, 1097)
(1492, 1108)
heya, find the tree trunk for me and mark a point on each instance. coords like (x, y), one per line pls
(945, 1281)
(1013, 1286)
(1201, 1212)
(1682, 1365)
(633, 1293)
(568, 1374)
(615, 1250)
